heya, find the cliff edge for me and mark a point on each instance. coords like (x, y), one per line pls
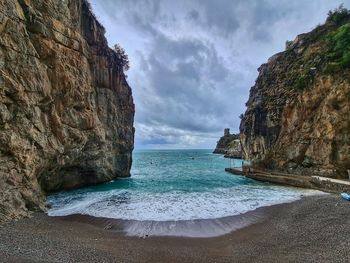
(229, 145)
(297, 116)
(66, 109)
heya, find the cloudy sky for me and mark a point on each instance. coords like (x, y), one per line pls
(194, 61)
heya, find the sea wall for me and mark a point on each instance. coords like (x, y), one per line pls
(66, 109)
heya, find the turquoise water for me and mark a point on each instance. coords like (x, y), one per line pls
(173, 185)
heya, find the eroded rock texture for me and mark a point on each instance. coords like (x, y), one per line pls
(66, 110)
(298, 112)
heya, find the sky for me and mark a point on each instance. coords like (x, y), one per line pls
(193, 62)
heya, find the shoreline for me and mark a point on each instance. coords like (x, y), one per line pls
(196, 228)
(313, 229)
(193, 228)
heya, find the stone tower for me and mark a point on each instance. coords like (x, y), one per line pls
(226, 132)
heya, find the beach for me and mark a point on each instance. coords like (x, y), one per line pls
(313, 229)
(110, 112)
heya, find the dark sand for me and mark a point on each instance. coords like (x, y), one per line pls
(314, 229)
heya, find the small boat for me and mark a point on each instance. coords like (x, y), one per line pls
(345, 196)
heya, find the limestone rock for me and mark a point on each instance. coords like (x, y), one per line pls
(298, 112)
(66, 109)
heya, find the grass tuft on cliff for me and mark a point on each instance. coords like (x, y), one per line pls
(324, 50)
(339, 47)
(338, 15)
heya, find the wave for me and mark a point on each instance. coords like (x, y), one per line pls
(170, 193)
(175, 205)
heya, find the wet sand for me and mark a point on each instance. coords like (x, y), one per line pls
(314, 229)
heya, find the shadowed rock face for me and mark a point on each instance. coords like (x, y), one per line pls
(297, 116)
(66, 109)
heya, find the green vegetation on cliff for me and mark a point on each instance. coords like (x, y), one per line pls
(297, 113)
(339, 46)
(225, 143)
(328, 50)
(338, 15)
(230, 145)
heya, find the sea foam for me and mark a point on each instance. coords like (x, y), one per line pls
(174, 188)
(124, 204)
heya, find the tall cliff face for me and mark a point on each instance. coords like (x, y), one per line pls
(66, 109)
(298, 112)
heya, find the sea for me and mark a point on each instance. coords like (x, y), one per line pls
(176, 193)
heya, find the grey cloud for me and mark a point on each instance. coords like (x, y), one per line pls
(181, 75)
(193, 15)
(220, 18)
(194, 61)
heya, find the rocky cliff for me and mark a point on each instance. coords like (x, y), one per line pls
(66, 109)
(229, 145)
(298, 112)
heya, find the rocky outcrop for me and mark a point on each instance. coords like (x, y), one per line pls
(66, 109)
(297, 117)
(229, 145)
